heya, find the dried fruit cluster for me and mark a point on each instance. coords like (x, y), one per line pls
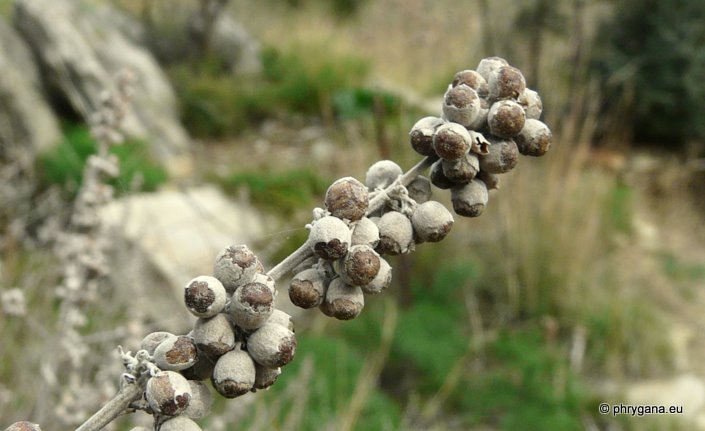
(240, 341)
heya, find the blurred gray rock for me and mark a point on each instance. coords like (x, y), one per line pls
(81, 51)
(27, 123)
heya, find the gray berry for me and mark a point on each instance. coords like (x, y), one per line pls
(491, 180)
(201, 370)
(419, 190)
(251, 305)
(472, 79)
(505, 119)
(347, 198)
(308, 288)
(152, 340)
(205, 296)
(272, 345)
(462, 170)
(179, 423)
(381, 281)
(176, 353)
(489, 65)
(461, 105)
(506, 82)
(396, 234)
(281, 318)
(343, 301)
(421, 135)
(503, 157)
(470, 200)
(365, 232)
(234, 374)
(201, 400)
(330, 238)
(265, 376)
(214, 336)
(431, 221)
(168, 393)
(235, 266)
(534, 139)
(382, 174)
(531, 102)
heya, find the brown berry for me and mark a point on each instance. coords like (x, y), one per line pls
(461, 171)
(472, 79)
(461, 105)
(534, 139)
(451, 141)
(431, 221)
(176, 353)
(507, 82)
(330, 238)
(421, 135)
(235, 266)
(343, 301)
(251, 305)
(214, 336)
(469, 200)
(505, 119)
(168, 393)
(308, 288)
(438, 178)
(265, 376)
(359, 266)
(272, 345)
(503, 157)
(347, 198)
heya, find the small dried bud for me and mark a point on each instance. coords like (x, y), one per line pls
(235, 266)
(421, 135)
(176, 353)
(251, 305)
(152, 340)
(330, 238)
(234, 373)
(265, 377)
(343, 301)
(382, 280)
(451, 141)
(214, 336)
(431, 221)
(534, 139)
(347, 198)
(179, 423)
(463, 170)
(396, 234)
(469, 200)
(491, 180)
(382, 174)
(308, 288)
(488, 65)
(272, 345)
(438, 178)
(507, 82)
(23, 426)
(503, 157)
(419, 190)
(168, 393)
(281, 318)
(461, 105)
(201, 370)
(359, 266)
(365, 232)
(473, 80)
(531, 102)
(505, 119)
(201, 400)
(205, 296)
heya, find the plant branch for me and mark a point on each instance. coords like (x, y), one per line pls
(127, 394)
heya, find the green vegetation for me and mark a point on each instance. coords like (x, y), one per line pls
(63, 165)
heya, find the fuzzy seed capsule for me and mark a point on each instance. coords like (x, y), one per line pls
(488, 65)
(330, 238)
(431, 221)
(347, 198)
(421, 135)
(251, 305)
(507, 82)
(272, 345)
(23, 426)
(505, 119)
(503, 157)
(470, 200)
(419, 190)
(365, 232)
(308, 288)
(265, 377)
(461, 105)
(438, 178)
(154, 339)
(396, 234)
(205, 296)
(168, 393)
(176, 353)
(381, 281)
(234, 373)
(473, 80)
(214, 336)
(201, 400)
(382, 174)
(235, 266)
(343, 301)
(179, 423)
(359, 266)
(531, 102)
(534, 139)
(461, 171)
(451, 141)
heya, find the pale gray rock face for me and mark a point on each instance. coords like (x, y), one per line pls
(27, 124)
(80, 52)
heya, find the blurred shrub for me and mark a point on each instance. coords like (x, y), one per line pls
(651, 58)
(303, 80)
(63, 164)
(340, 8)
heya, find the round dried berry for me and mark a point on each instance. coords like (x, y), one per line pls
(214, 336)
(201, 400)
(176, 353)
(343, 301)
(272, 345)
(421, 135)
(281, 318)
(419, 190)
(235, 266)
(431, 221)
(152, 340)
(308, 288)
(507, 82)
(23, 426)
(168, 393)
(205, 296)
(179, 423)
(382, 174)
(330, 238)
(461, 105)
(201, 370)
(531, 102)
(534, 139)
(347, 198)
(503, 157)
(360, 266)
(451, 141)
(396, 234)
(473, 80)
(234, 374)
(381, 281)
(470, 200)
(506, 119)
(488, 65)
(461, 171)
(365, 232)
(265, 377)
(490, 180)
(438, 178)
(251, 305)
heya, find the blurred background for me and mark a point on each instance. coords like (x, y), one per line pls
(583, 281)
